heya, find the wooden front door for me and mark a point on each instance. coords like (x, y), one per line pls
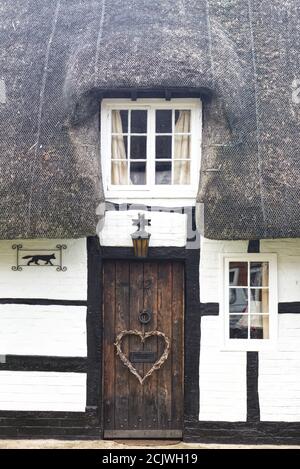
(134, 408)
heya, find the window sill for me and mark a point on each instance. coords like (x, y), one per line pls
(148, 199)
(172, 192)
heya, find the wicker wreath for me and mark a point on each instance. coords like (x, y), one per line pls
(143, 336)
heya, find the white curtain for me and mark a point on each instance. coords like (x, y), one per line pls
(182, 149)
(119, 174)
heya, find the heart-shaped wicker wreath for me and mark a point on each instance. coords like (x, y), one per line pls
(143, 336)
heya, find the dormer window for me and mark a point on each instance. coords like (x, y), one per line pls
(151, 147)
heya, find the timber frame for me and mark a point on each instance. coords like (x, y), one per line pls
(88, 424)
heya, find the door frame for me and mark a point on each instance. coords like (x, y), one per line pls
(192, 315)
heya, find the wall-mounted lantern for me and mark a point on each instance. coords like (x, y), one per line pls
(140, 238)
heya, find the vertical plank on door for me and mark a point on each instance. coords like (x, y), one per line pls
(128, 288)
(164, 324)
(121, 324)
(108, 343)
(151, 345)
(136, 404)
(177, 342)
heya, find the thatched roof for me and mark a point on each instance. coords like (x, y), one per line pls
(58, 58)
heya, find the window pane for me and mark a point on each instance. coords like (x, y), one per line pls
(138, 173)
(124, 118)
(238, 274)
(119, 147)
(163, 122)
(163, 147)
(259, 301)
(238, 300)
(119, 122)
(139, 122)
(182, 147)
(163, 173)
(238, 328)
(182, 172)
(138, 149)
(182, 121)
(119, 172)
(259, 274)
(259, 327)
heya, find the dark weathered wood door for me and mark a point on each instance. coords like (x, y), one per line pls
(154, 408)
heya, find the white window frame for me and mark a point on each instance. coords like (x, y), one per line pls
(249, 344)
(151, 190)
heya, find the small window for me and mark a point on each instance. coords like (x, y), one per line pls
(151, 147)
(249, 302)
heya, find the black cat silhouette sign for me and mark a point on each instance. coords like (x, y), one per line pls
(46, 258)
(52, 257)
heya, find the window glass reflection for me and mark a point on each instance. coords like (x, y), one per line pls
(138, 173)
(238, 274)
(238, 327)
(259, 302)
(259, 274)
(259, 327)
(163, 173)
(138, 122)
(238, 300)
(164, 121)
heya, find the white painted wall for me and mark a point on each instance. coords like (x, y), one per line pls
(288, 251)
(43, 330)
(41, 391)
(223, 374)
(45, 282)
(167, 229)
(210, 289)
(279, 374)
(222, 377)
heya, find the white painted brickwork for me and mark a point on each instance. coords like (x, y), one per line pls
(167, 229)
(210, 266)
(45, 282)
(222, 377)
(223, 374)
(41, 391)
(43, 330)
(288, 251)
(279, 374)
